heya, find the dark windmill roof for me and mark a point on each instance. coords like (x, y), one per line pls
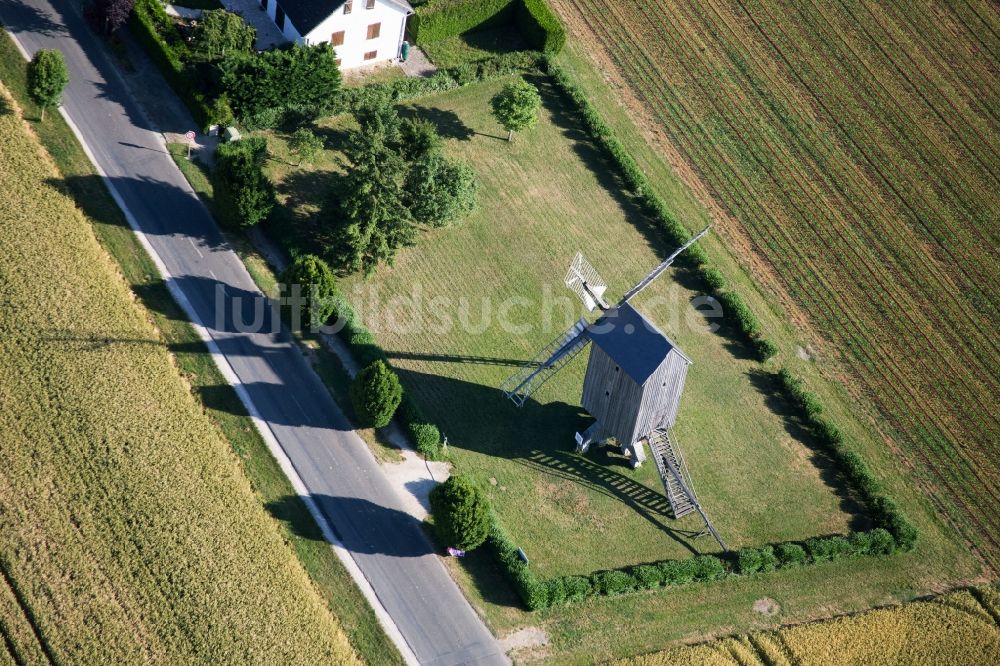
(635, 344)
(305, 15)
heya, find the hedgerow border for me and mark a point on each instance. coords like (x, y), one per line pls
(892, 533)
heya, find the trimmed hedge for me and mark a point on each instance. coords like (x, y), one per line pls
(884, 511)
(157, 33)
(440, 19)
(633, 177)
(349, 99)
(893, 533)
(541, 26)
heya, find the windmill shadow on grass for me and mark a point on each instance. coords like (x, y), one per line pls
(766, 384)
(530, 436)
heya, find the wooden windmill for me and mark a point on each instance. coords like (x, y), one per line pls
(634, 380)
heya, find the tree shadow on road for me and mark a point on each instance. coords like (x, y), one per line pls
(361, 525)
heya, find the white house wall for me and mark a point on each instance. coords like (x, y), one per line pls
(289, 31)
(355, 27)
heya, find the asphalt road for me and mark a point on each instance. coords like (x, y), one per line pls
(334, 464)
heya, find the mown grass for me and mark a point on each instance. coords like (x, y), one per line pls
(225, 410)
(542, 198)
(130, 533)
(955, 628)
(853, 151)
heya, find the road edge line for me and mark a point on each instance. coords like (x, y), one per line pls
(388, 625)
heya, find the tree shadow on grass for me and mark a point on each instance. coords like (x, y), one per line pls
(767, 384)
(448, 123)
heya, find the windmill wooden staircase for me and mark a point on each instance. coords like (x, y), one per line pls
(682, 501)
(676, 481)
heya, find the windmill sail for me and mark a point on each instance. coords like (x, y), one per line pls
(584, 280)
(656, 272)
(546, 363)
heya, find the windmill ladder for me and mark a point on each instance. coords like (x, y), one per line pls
(549, 360)
(678, 488)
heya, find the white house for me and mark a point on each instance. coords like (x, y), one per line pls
(362, 32)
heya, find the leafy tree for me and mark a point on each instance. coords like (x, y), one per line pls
(419, 138)
(461, 513)
(47, 78)
(305, 144)
(375, 394)
(219, 33)
(438, 191)
(305, 78)
(242, 191)
(516, 107)
(112, 14)
(311, 278)
(369, 205)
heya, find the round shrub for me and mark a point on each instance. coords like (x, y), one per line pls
(556, 591)
(708, 567)
(648, 576)
(461, 513)
(312, 279)
(714, 279)
(375, 394)
(825, 549)
(677, 572)
(790, 555)
(427, 439)
(577, 587)
(881, 542)
(613, 582)
(765, 350)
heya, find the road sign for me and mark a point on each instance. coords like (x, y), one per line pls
(190, 135)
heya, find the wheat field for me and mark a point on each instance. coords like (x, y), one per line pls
(128, 533)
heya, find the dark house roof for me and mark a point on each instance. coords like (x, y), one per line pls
(632, 341)
(305, 15)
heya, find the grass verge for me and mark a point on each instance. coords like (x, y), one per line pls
(193, 360)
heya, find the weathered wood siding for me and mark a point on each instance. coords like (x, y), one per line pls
(661, 395)
(611, 396)
(626, 410)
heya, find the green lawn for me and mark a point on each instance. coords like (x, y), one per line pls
(542, 198)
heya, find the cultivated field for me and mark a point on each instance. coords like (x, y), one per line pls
(128, 532)
(854, 147)
(957, 628)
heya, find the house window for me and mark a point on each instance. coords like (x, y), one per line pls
(371, 55)
(348, 6)
(374, 30)
(369, 4)
(337, 38)
(279, 17)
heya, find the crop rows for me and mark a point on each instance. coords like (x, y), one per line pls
(864, 166)
(127, 530)
(959, 627)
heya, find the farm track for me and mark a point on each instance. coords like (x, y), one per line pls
(859, 170)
